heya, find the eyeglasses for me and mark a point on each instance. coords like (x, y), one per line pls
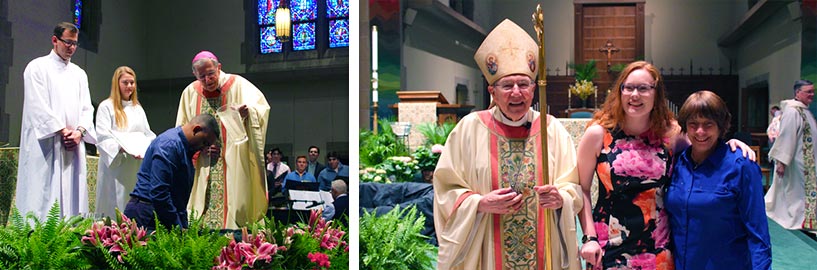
(69, 43)
(641, 88)
(524, 85)
(313, 152)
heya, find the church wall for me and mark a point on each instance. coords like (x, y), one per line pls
(316, 114)
(120, 43)
(180, 29)
(426, 71)
(772, 53)
(678, 31)
(559, 32)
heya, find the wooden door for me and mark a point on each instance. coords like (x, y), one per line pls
(619, 22)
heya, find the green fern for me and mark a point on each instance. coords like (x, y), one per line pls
(50, 244)
(436, 133)
(586, 71)
(400, 247)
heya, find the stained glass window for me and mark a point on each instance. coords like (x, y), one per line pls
(269, 41)
(303, 36)
(266, 11)
(337, 9)
(78, 13)
(303, 10)
(338, 13)
(304, 13)
(304, 19)
(339, 33)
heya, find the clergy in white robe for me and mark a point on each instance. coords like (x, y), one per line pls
(229, 190)
(56, 98)
(792, 198)
(117, 168)
(489, 191)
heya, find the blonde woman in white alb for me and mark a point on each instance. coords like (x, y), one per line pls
(121, 112)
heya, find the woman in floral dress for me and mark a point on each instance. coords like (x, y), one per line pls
(629, 145)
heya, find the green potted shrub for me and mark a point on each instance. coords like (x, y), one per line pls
(584, 87)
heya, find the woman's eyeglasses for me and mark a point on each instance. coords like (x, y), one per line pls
(641, 88)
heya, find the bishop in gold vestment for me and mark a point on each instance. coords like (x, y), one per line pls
(494, 155)
(230, 189)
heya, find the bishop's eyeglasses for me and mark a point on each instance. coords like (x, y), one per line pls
(524, 85)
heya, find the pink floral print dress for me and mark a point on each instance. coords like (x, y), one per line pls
(629, 215)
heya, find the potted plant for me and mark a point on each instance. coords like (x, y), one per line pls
(427, 155)
(584, 87)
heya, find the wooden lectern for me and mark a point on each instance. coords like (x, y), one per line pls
(445, 111)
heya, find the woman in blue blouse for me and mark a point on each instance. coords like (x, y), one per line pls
(715, 199)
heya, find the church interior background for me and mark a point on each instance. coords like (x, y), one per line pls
(749, 52)
(305, 81)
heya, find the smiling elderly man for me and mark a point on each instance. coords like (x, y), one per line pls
(489, 196)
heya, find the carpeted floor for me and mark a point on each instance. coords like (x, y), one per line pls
(792, 250)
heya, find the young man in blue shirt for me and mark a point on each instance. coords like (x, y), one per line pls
(165, 179)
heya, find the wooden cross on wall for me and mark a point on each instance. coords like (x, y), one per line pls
(609, 48)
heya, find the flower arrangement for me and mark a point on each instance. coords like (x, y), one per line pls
(321, 243)
(583, 89)
(584, 73)
(253, 252)
(116, 237)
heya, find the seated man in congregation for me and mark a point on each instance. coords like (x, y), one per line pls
(334, 170)
(299, 174)
(338, 210)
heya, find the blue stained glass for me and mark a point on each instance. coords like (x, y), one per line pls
(303, 10)
(266, 11)
(303, 36)
(338, 33)
(269, 41)
(77, 13)
(337, 8)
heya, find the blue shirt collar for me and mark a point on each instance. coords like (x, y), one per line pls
(714, 158)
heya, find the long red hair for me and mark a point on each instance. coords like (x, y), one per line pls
(612, 113)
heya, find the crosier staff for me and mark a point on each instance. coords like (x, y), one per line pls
(539, 25)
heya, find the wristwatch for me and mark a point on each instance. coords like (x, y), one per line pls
(586, 239)
(82, 131)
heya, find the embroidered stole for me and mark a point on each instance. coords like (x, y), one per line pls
(810, 220)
